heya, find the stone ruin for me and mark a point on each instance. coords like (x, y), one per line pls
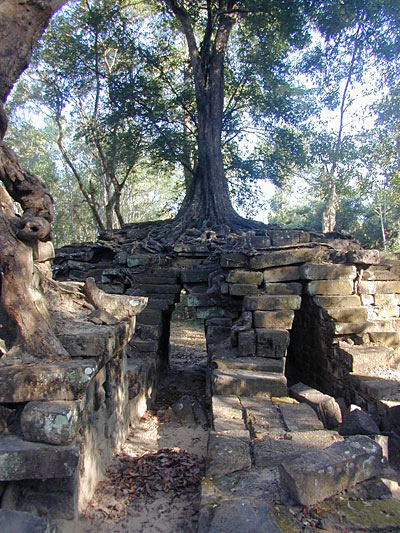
(298, 326)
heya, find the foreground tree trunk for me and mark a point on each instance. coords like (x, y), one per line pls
(207, 201)
(21, 25)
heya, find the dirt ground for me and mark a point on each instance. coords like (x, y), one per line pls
(153, 485)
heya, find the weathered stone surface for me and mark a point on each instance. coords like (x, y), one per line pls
(315, 476)
(271, 448)
(262, 415)
(347, 314)
(337, 301)
(213, 312)
(283, 288)
(273, 319)
(373, 274)
(150, 316)
(379, 287)
(288, 273)
(82, 339)
(242, 289)
(390, 339)
(350, 328)
(325, 271)
(20, 459)
(272, 342)
(138, 260)
(260, 364)
(234, 260)
(384, 299)
(20, 522)
(300, 417)
(260, 242)
(358, 422)
(197, 275)
(238, 515)
(247, 343)
(63, 381)
(50, 422)
(271, 303)
(330, 288)
(226, 407)
(245, 276)
(227, 454)
(284, 257)
(282, 237)
(324, 405)
(248, 383)
(363, 257)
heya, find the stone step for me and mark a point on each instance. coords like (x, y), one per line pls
(20, 459)
(390, 339)
(258, 364)
(350, 328)
(364, 358)
(375, 387)
(248, 383)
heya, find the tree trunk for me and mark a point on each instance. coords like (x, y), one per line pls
(208, 202)
(21, 25)
(331, 207)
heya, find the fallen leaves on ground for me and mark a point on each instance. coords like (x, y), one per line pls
(171, 471)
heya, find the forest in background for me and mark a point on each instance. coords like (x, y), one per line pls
(105, 115)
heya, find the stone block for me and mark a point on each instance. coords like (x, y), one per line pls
(62, 381)
(285, 237)
(238, 515)
(273, 319)
(213, 312)
(363, 257)
(285, 257)
(358, 422)
(260, 242)
(234, 260)
(372, 274)
(283, 288)
(227, 454)
(196, 275)
(390, 339)
(262, 415)
(242, 289)
(226, 408)
(50, 422)
(20, 459)
(272, 343)
(367, 299)
(350, 328)
(245, 276)
(330, 288)
(247, 343)
(347, 314)
(315, 476)
(324, 405)
(271, 303)
(139, 260)
(288, 273)
(151, 317)
(271, 448)
(21, 522)
(379, 287)
(258, 364)
(324, 271)
(337, 301)
(300, 417)
(248, 383)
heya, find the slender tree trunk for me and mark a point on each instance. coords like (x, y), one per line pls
(331, 207)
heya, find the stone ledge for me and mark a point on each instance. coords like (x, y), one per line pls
(67, 380)
(20, 460)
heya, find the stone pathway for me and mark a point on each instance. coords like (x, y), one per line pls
(164, 456)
